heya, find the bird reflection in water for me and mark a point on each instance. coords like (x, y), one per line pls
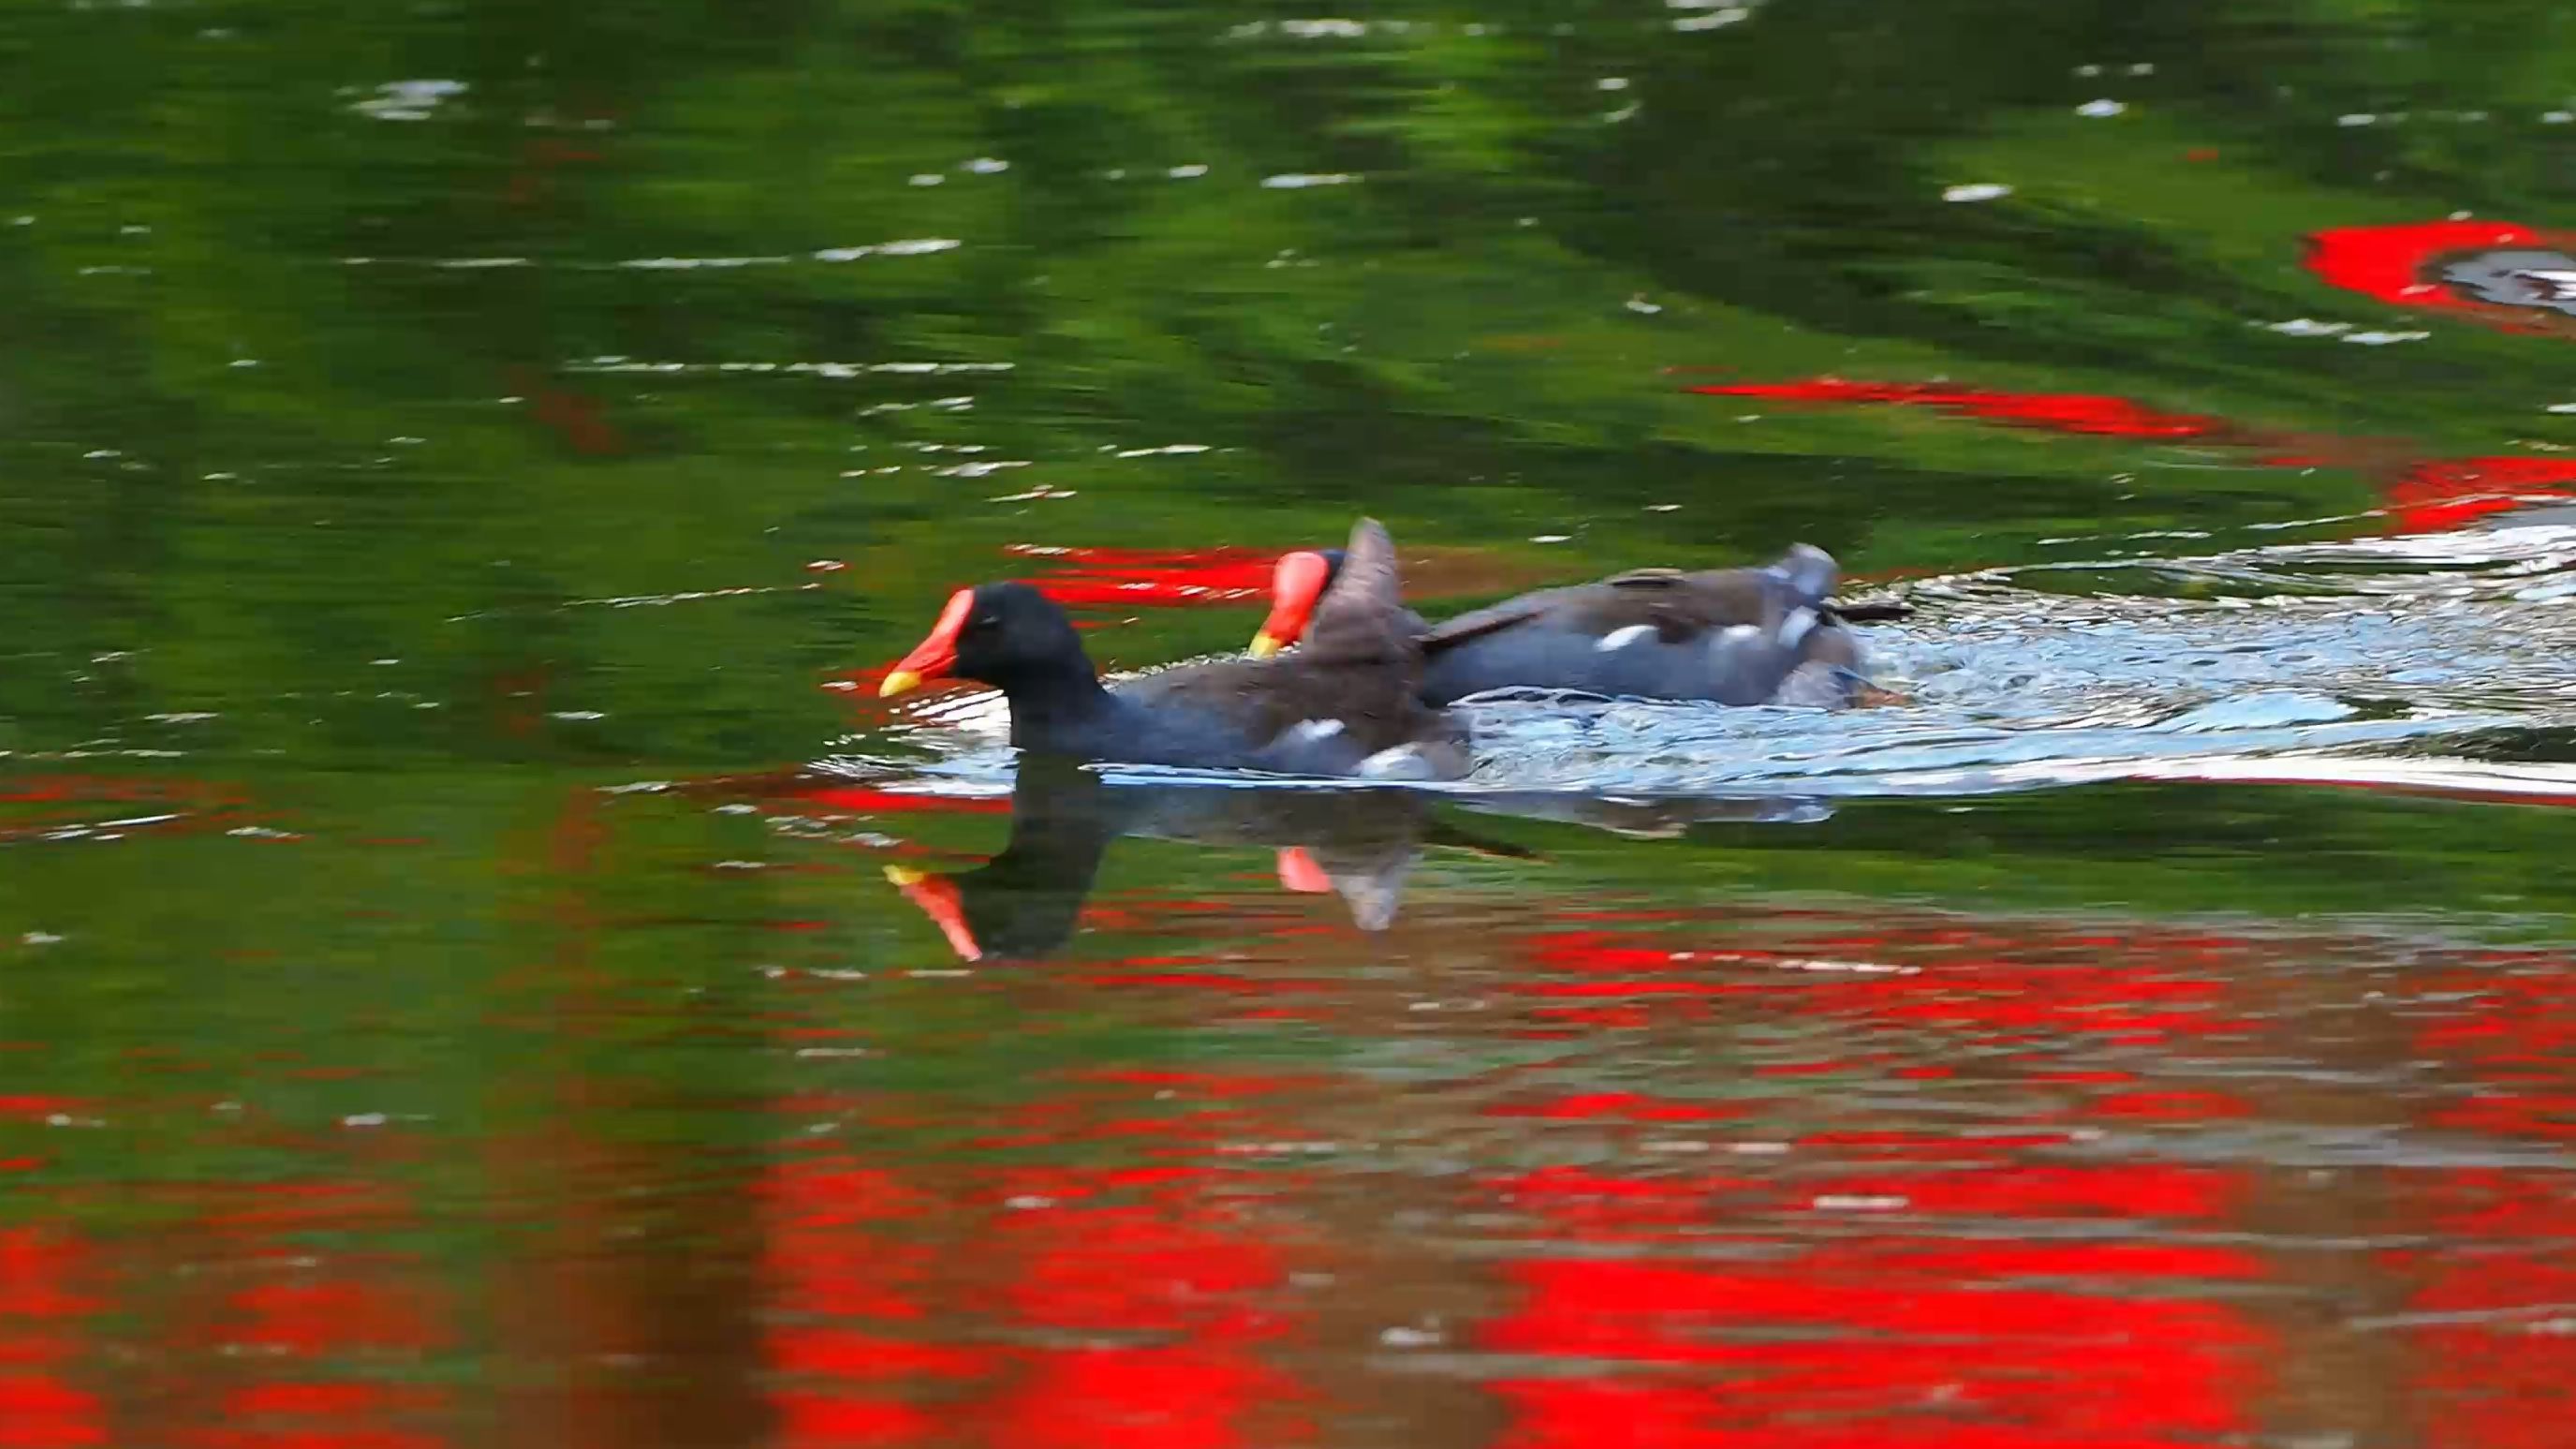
(1360, 844)
(1026, 902)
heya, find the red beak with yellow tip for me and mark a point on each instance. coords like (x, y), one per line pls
(1296, 587)
(933, 657)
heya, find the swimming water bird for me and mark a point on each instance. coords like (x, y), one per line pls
(1348, 703)
(1736, 636)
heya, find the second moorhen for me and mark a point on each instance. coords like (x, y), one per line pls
(1735, 636)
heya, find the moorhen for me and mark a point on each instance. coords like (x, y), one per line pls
(1736, 636)
(1348, 703)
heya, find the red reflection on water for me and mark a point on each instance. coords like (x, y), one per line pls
(2003, 1187)
(2446, 493)
(1617, 1106)
(39, 1107)
(42, 1314)
(1151, 578)
(1135, 1268)
(845, 1353)
(1186, 1267)
(322, 1416)
(2061, 412)
(1182, 1260)
(293, 1339)
(860, 801)
(2394, 263)
(1887, 1338)
(2488, 1345)
(1890, 1339)
(318, 1317)
(1889, 1331)
(1887, 1297)
(2423, 496)
(1677, 1312)
(1934, 982)
(848, 1256)
(1133, 1301)
(1142, 1398)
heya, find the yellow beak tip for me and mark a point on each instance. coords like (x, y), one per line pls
(1263, 646)
(904, 875)
(902, 681)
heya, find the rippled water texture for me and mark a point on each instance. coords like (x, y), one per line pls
(480, 966)
(2440, 660)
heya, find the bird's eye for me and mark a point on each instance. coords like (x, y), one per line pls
(986, 621)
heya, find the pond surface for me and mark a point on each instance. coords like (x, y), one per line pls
(478, 966)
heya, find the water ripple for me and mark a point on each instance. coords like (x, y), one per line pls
(2436, 661)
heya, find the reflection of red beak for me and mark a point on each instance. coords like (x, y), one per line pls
(1296, 586)
(933, 657)
(940, 900)
(1298, 872)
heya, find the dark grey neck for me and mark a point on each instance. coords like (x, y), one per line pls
(1051, 701)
